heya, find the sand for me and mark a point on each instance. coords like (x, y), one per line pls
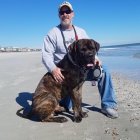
(19, 76)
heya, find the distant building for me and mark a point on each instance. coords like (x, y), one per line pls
(2, 49)
(16, 49)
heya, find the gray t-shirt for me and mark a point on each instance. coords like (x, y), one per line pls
(54, 50)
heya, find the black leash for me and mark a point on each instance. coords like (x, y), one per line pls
(76, 38)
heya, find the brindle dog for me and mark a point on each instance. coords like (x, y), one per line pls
(49, 92)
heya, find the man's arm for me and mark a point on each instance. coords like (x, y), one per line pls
(48, 59)
(47, 53)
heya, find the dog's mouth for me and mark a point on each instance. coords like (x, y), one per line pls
(90, 64)
(87, 60)
(90, 58)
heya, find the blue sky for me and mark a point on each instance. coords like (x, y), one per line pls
(24, 23)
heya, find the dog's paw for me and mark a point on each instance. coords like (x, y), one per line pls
(61, 119)
(55, 119)
(77, 119)
(84, 114)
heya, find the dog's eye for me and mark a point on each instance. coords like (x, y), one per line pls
(90, 47)
(83, 49)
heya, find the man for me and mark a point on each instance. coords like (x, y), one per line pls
(54, 49)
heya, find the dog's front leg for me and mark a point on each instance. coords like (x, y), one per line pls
(76, 109)
(76, 98)
(82, 113)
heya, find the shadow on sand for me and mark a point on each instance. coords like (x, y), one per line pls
(24, 99)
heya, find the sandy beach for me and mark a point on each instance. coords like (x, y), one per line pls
(19, 76)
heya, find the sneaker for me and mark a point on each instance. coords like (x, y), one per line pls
(110, 112)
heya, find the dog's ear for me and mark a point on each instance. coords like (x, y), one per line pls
(96, 44)
(72, 47)
(73, 51)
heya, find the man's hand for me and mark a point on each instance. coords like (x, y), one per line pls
(97, 62)
(58, 75)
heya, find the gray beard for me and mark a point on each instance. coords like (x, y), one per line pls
(64, 24)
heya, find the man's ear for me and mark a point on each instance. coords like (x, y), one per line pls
(96, 44)
(72, 14)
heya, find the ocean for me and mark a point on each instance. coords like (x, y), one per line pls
(123, 59)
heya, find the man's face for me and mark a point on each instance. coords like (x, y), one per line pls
(66, 16)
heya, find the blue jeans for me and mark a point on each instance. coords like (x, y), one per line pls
(105, 87)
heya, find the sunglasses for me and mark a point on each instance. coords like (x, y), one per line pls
(66, 11)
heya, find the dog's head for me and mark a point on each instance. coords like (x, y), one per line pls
(83, 51)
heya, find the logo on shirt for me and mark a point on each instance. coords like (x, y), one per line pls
(69, 41)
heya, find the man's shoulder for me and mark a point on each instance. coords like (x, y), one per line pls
(53, 32)
(54, 29)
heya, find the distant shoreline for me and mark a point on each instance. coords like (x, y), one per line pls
(19, 52)
(121, 45)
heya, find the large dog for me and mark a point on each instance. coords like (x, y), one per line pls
(49, 92)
